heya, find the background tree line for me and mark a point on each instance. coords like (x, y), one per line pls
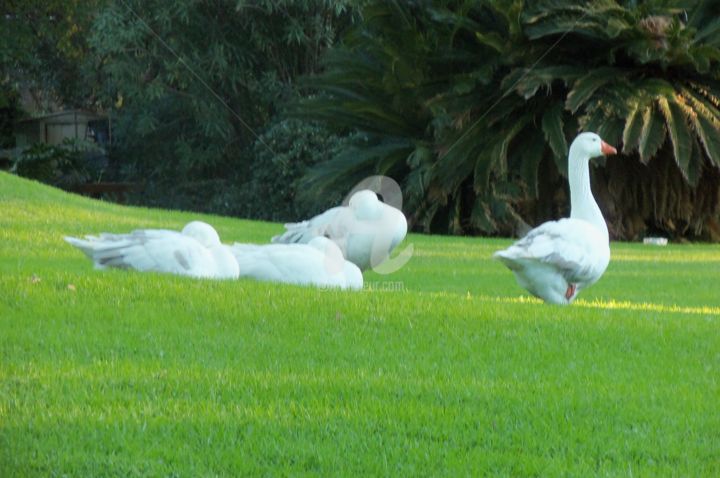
(272, 109)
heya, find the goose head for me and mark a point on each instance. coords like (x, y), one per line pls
(589, 145)
(202, 232)
(366, 205)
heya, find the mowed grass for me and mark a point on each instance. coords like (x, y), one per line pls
(441, 368)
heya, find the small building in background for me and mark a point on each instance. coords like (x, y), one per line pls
(63, 129)
(53, 128)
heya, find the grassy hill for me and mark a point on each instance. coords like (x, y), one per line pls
(442, 368)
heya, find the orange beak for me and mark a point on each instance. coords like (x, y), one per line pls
(606, 148)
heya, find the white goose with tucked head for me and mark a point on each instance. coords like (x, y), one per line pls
(558, 259)
(196, 251)
(318, 263)
(366, 230)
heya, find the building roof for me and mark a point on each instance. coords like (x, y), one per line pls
(60, 114)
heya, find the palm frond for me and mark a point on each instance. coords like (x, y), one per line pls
(527, 82)
(495, 157)
(709, 133)
(633, 128)
(584, 87)
(530, 156)
(652, 135)
(552, 126)
(353, 164)
(677, 125)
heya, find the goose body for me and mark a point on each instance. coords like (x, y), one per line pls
(558, 259)
(196, 251)
(366, 230)
(319, 263)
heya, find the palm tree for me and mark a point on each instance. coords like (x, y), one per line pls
(472, 105)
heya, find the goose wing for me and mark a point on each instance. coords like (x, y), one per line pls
(325, 224)
(148, 250)
(573, 247)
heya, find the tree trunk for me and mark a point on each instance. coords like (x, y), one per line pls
(642, 200)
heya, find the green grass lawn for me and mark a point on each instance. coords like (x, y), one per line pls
(443, 368)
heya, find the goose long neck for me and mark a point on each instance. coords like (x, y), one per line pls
(582, 201)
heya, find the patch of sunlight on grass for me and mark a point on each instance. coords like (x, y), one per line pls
(674, 256)
(609, 304)
(647, 307)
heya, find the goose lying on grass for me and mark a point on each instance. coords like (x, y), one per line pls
(196, 251)
(366, 230)
(558, 259)
(319, 263)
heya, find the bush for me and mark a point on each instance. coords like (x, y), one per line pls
(267, 187)
(281, 157)
(64, 165)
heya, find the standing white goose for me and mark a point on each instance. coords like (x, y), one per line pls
(366, 230)
(319, 263)
(558, 259)
(196, 251)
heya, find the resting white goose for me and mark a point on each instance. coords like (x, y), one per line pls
(366, 230)
(319, 263)
(558, 259)
(196, 251)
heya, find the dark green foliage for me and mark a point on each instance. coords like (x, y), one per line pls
(194, 85)
(9, 113)
(268, 188)
(69, 164)
(288, 148)
(485, 92)
(44, 51)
